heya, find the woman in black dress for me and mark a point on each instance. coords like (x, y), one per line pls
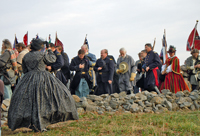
(39, 98)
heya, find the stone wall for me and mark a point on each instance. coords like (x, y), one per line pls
(144, 102)
(147, 102)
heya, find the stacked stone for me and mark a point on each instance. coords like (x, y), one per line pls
(147, 102)
(144, 102)
(4, 110)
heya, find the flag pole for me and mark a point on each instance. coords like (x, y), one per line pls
(27, 38)
(163, 50)
(194, 34)
(165, 43)
(154, 43)
(56, 38)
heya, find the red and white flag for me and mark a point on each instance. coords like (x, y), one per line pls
(58, 42)
(193, 41)
(25, 39)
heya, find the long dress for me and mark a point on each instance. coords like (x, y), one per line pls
(173, 79)
(40, 99)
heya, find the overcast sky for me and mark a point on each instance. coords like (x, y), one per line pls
(110, 24)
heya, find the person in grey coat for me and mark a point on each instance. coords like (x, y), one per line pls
(8, 68)
(126, 79)
(193, 66)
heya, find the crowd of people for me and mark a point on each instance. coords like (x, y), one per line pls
(40, 79)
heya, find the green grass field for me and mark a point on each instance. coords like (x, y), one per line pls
(169, 123)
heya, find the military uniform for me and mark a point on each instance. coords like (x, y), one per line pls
(151, 79)
(79, 84)
(105, 74)
(194, 74)
(92, 61)
(56, 67)
(65, 68)
(138, 64)
(124, 79)
(92, 58)
(115, 83)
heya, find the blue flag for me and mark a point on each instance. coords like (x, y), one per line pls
(15, 42)
(86, 41)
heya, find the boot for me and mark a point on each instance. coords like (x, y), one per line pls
(128, 92)
(157, 90)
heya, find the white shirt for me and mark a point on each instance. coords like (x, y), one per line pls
(169, 68)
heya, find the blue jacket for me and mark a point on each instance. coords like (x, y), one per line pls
(107, 72)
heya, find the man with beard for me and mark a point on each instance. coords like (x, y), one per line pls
(151, 68)
(92, 61)
(79, 84)
(193, 66)
(21, 48)
(105, 69)
(8, 68)
(126, 76)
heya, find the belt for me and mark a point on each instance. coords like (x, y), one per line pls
(83, 73)
(100, 73)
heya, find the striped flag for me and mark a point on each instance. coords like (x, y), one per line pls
(15, 42)
(86, 41)
(49, 38)
(193, 41)
(163, 52)
(37, 37)
(58, 42)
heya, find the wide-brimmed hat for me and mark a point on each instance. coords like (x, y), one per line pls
(172, 49)
(194, 51)
(124, 67)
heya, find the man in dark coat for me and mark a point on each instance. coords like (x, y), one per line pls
(115, 83)
(140, 74)
(105, 68)
(151, 68)
(55, 68)
(79, 84)
(65, 69)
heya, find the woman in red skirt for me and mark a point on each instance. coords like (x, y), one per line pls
(173, 79)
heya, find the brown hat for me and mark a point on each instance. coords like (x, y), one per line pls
(124, 67)
(194, 51)
(172, 49)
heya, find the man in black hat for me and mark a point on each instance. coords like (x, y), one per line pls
(105, 68)
(193, 66)
(151, 67)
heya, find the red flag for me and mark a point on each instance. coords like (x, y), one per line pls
(193, 41)
(58, 42)
(25, 39)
